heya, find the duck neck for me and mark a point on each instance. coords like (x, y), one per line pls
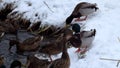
(64, 52)
(69, 19)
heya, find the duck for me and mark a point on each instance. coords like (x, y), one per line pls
(86, 38)
(81, 9)
(2, 62)
(30, 44)
(63, 62)
(55, 46)
(34, 62)
(16, 64)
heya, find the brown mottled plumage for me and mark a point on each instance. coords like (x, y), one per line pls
(63, 62)
(34, 62)
(75, 40)
(56, 46)
(30, 44)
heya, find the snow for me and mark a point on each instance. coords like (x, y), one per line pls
(105, 21)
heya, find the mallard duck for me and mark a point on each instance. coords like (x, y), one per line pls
(34, 62)
(82, 9)
(16, 64)
(30, 44)
(86, 38)
(2, 62)
(55, 46)
(63, 62)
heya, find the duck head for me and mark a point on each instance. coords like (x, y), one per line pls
(76, 27)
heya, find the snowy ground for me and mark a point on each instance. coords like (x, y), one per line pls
(105, 21)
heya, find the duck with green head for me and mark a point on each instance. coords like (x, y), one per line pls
(82, 39)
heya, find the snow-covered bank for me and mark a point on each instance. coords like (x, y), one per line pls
(105, 21)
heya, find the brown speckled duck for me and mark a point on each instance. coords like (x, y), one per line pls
(63, 62)
(55, 46)
(81, 9)
(34, 62)
(30, 44)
